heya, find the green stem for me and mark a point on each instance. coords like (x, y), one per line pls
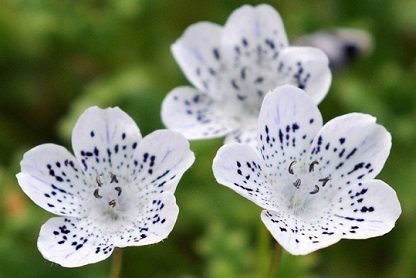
(263, 250)
(116, 264)
(274, 265)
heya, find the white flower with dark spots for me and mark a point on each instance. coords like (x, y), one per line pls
(315, 183)
(232, 68)
(117, 191)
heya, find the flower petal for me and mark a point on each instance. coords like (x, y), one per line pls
(255, 30)
(73, 242)
(246, 134)
(350, 148)
(306, 68)
(52, 178)
(162, 158)
(239, 167)
(198, 54)
(104, 141)
(288, 122)
(365, 210)
(297, 236)
(252, 40)
(154, 225)
(196, 115)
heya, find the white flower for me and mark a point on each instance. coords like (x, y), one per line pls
(117, 191)
(232, 68)
(316, 183)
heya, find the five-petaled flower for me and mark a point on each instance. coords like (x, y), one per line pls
(315, 183)
(232, 67)
(117, 191)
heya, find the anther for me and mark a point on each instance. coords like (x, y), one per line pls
(316, 190)
(324, 181)
(99, 182)
(97, 194)
(118, 189)
(112, 203)
(113, 178)
(291, 167)
(312, 165)
(297, 183)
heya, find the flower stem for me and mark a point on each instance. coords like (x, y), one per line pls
(263, 250)
(116, 264)
(274, 265)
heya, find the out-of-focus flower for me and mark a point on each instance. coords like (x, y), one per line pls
(342, 45)
(232, 68)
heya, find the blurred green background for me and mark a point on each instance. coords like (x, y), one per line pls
(59, 57)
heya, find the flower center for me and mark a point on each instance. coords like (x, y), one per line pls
(109, 196)
(305, 184)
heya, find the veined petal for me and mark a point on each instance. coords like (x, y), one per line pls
(306, 68)
(52, 178)
(199, 55)
(196, 115)
(288, 122)
(104, 141)
(162, 158)
(239, 167)
(298, 236)
(350, 148)
(73, 242)
(365, 209)
(153, 225)
(252, 40)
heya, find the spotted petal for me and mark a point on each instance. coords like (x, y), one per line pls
(297, 235)
(162, 158)
(288, 122)
(196, 115)
(350, 148)
(252, 40)
(257, 31)
(73, 242)
(365, 210)
(153, 225)
(239, 167)
(52, 178)
(199, 55)
(104, 141)
(306, 68)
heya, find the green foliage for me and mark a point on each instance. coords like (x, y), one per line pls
(59, 57)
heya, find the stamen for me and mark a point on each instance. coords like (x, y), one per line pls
(324, 180)
(97, 194)
(297, 183)
(118, 189)
(316, 190)
(312, 165)
(113, 178)
(290, 167)
(112, 203)
(99, 182)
